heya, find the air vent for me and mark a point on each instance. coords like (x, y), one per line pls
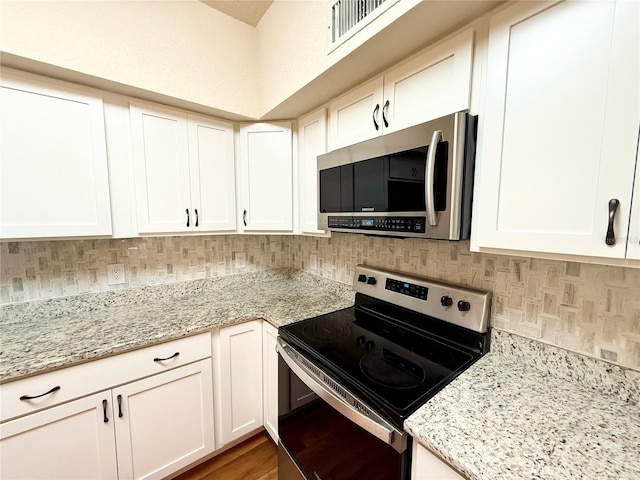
(346, 14)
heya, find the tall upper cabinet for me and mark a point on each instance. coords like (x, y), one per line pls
(53, 159)
(265, 177)
(183, 171)
(561, 118)
(432, 84)
(312, 141)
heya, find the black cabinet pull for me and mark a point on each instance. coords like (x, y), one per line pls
(29, 397)
(384, 118)
(168, 358)
(196, 212)
(613, 208)
(375, 116)
(187, 217)
(119, 406)
(244, 218)
(104, 410)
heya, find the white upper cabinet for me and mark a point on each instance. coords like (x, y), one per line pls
(183, 171)
(561, 119)
(53, 159)
(432, 84)
(312, 141)
(266, 177)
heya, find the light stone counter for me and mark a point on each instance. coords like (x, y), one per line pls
(42, 335)
(528, 410)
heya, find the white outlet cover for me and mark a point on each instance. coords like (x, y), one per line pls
(115, 274)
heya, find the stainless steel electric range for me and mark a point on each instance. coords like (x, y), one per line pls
(349, 379)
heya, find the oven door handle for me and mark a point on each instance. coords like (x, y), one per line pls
(345, 402)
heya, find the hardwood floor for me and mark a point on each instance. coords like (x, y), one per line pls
(253, 459)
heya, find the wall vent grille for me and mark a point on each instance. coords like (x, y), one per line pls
(346, 14)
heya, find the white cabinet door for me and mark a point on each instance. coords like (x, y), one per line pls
(53, 159)
(431, 85)
(212, 163)
(164, 422)
(266, 177)
(183, 171)
(71, 441)
(356, 116)
(426, 466)
(240, 365)
(312, 141)
(560, 127)
(435, 83)
(270, 379)
(161, 169)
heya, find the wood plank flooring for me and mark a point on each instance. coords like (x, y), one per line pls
(253, 459)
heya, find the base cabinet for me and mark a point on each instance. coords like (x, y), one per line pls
(426, 466)
(270, 379)
(238, 380)
(75, 440)
(165, 422)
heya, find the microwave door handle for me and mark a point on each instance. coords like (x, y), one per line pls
(432, 216)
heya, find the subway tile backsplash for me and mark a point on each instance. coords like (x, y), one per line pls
(589, 309)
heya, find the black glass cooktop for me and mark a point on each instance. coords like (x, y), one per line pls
(387, 365)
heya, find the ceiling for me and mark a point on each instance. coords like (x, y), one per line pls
(247, 11)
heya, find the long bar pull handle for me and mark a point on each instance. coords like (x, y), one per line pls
(104, 411)
(29, 397)
(244, 218)
(119, 406)
(432, 217)
(613, 208)
(168, 358)
(384, 117)
(196, 212)
(187, 217)
(375, 116)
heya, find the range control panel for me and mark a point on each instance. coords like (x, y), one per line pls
(458, 304)
(407, 288)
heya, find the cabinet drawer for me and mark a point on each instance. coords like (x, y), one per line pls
(53, 388)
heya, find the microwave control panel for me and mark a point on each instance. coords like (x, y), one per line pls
(389, 224)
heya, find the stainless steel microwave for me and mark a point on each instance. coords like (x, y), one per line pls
(416, 182)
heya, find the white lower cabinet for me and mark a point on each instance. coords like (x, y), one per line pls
(164, 422)
(75, 440)
(143, 429)
(426, 466)
(270, 379)
(238, 380)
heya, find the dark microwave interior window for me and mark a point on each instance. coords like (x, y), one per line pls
(392, 183)
(369, 185)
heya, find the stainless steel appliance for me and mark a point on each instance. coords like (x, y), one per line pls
(416, 182)
(349, 379)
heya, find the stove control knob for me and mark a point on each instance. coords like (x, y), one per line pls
(369, 345)
(371, 280)
(464, 306)
(362, 278)
(360, 340)
(446, 301)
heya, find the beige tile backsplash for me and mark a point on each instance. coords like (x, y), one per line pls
(590, 309)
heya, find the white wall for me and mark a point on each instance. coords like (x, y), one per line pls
(181, 49)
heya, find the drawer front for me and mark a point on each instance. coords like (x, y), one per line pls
(53, 388)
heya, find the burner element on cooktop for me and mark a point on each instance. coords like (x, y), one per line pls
(392, 370)
(327, 331)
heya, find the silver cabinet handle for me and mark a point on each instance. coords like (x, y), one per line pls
(432, 216)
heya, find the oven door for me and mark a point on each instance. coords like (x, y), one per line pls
(326, 433)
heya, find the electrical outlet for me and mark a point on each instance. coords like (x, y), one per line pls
(115, 274)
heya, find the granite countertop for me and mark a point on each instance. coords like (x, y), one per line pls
(527, 410)
(43, 335)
